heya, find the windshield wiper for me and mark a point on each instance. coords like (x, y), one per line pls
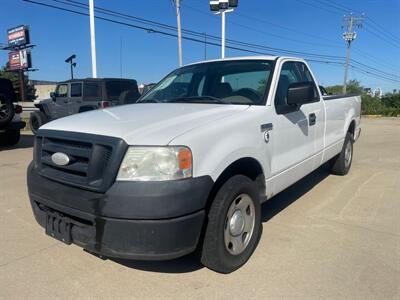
(149, 101)
(197, 99)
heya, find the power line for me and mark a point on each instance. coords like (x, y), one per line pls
(382, 33)
(149, 29)
(191, 32)
(269, 33)
(376, 59)
(369, 20)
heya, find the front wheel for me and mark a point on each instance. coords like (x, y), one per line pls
(10, 137)
(37, 119)
(234, 225)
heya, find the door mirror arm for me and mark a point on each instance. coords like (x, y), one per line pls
(53, 96)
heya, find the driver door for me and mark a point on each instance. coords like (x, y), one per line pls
(296, 133)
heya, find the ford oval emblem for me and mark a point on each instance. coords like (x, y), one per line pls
(60, 159)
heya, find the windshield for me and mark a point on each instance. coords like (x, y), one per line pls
(224, 82)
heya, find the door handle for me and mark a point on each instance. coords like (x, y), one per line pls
(312, 119)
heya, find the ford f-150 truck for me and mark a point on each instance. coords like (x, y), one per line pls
(187, 168)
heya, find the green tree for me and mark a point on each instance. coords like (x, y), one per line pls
(391, 100)
(353, 87)
(30, 90)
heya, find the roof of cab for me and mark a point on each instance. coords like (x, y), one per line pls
(254, 57)
(96, 79)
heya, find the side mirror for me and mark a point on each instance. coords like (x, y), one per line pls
(300, 93)
(53, 96)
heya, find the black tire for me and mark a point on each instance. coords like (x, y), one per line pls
(10, 137)
(37, 119)
(6, 110)
(215, 254)
(341, 164)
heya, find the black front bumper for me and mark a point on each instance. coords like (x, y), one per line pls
(135, 220)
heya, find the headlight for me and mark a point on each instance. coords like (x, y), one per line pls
(156, 164)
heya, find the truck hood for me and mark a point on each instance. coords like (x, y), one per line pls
(146, 123)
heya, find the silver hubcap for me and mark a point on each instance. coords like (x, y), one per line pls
(347, 154)
(239, 224)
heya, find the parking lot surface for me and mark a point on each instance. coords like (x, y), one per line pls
(325, 237)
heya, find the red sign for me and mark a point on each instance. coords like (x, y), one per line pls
(19, 60)
(14, 62)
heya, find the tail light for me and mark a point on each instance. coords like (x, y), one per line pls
(104, 104)
(18, 109)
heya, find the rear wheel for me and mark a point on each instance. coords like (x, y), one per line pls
(340, 164)
(10, 137)
(37, 119)
(6, 110)
(234, 225)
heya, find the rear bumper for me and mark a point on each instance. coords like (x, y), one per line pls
(150, 222)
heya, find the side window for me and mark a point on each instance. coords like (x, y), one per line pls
(291, 72)
(92, 90)
(255, 81)
(62, 90)
(200, 88)
(304, 72)
(76, 89)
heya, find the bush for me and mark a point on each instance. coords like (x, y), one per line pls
(387, 106)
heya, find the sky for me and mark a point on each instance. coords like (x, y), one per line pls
(311, 26)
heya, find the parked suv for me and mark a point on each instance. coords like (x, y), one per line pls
(10, 121)
(80, 95)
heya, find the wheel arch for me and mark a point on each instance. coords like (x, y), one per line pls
(352, 128)
(247, 166)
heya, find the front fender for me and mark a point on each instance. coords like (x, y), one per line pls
(217, 145)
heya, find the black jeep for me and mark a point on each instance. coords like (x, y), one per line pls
(10, 121)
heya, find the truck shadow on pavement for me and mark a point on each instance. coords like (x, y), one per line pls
(270, 209)
(278, 203)
(26, 141)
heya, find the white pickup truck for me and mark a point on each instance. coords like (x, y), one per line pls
(188, 167)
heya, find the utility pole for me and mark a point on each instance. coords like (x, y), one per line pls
(178, 20)
(92, 39)
(22, 84)
(349, 24)
(205, 45)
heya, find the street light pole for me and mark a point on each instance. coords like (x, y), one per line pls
(92, 38)
(222, 7)
(178, 20)
(223, 34)
(70, 60)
